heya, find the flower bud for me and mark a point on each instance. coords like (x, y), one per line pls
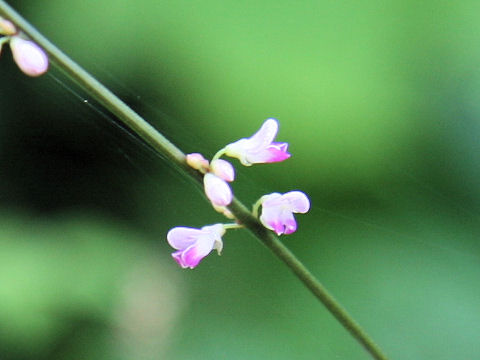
(198, 162)
(7, 27)
(30, 58)
(223, 169)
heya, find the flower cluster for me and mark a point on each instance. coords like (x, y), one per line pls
(30, 58)
(193, 245)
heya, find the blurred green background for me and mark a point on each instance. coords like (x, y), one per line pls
(380, 102)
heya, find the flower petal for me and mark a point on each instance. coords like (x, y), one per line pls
(265, 135)
(280, 221)
(216, 232)
(238, 150)
(270, 154)
(270, 217)
(195, 253)
(271, 200)
(30, 58)
(289, 223)
(217, 190)
(182, 237)
(177, 256)
(298, 201)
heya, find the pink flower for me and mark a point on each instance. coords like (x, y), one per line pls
(7, 27)
(217, 190)
(197, 161)
(223, 169)
(278, 209)
(260, 148)
(194, 244)
(30, 58)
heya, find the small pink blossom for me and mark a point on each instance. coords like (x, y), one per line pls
(197, 161)
(30, 58)
(7, 27)
(260, 148)
(217, 190)
(194, 244)
(278, 209)
(223, 169)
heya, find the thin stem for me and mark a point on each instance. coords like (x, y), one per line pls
(218, 155)
(256, 206)
(100, 93)
(158, 142)
(232, 226)
(4, 40)
(308, 279)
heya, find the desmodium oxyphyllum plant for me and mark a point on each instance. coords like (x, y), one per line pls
(276, 215)
(277, 209)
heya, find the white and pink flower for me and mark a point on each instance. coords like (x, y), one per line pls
(194, 244)
(260, 148)
(30, 57)
(278, 209)
(198, 162)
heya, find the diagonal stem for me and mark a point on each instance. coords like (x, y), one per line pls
(162, 145)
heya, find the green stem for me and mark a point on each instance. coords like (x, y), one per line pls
(232, 226)
(4, 40)
(218, 155)
(256, 206)
(158, 142)
(308, 279)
